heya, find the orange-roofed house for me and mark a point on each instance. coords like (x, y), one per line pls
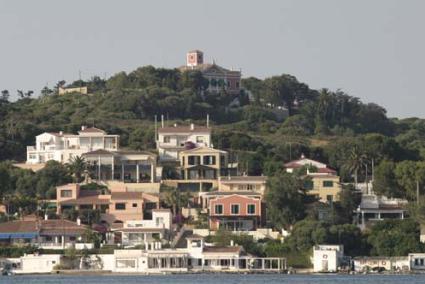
(324, 182)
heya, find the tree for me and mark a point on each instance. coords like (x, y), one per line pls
(284, 90)
(142, 138)
(385, 182)
(307, 233)
(52, 175)
(4, 98)
(46, 91)
(395, 237)
(6, 184)
(175, 199)
(23, 94)
(91, 236)
(77, 167)
(410, 175)
(284, 199)
(355, 163)
(417, 211)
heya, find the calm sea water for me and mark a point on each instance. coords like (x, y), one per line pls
(217, 278)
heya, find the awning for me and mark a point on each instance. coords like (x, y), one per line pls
(4, 236)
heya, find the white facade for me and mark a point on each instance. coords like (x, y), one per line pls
(161, 219)
(380, 263)
(33, 263)
(143, 232)
(374, 208)
(172, 140)
(327, 258)
(417, 261)
(196, 257)
(62, 147)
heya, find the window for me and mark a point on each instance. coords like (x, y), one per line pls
(126, 263)
(119, 206)
(329, 198)
(251, 209)
(193, 160)
(199, 139)
(33, 156)
(328, 183)
(134, 204)
(159, 221)
(66, 193)
(218, 209)
(167, 139)
(209, 160)
(308, 184)
(235, 209)
(249, 187)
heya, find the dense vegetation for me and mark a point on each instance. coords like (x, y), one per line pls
(330, 126)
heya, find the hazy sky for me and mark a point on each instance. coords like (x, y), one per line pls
(370, 49)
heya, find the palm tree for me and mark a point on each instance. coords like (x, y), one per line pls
(355, 163)
(175, 199)
(77, 166)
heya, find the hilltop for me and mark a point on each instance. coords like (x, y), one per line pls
(319, 122)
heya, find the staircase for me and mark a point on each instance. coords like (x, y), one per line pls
(180, 239)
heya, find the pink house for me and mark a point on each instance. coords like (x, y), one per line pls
(236, 212)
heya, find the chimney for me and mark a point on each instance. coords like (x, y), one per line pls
(192, 126)
(46, 217)
(232, 243)
(83, 127)
(175, 124)
(60, 133)
(162, 120)
(78, 221)
(208, 120)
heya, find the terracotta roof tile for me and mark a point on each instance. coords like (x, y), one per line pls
(92, 130)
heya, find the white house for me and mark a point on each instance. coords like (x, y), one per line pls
(380, 263)
(327, 258)
(303, 161)
(143, 232)
(62, 147)
(172, 140)
(417, 261)
(375, 208)
(195, 257)
(36, 263)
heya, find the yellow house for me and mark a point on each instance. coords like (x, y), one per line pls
(81, 90)
(200, 168)
(203, 163)
(326, 187)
